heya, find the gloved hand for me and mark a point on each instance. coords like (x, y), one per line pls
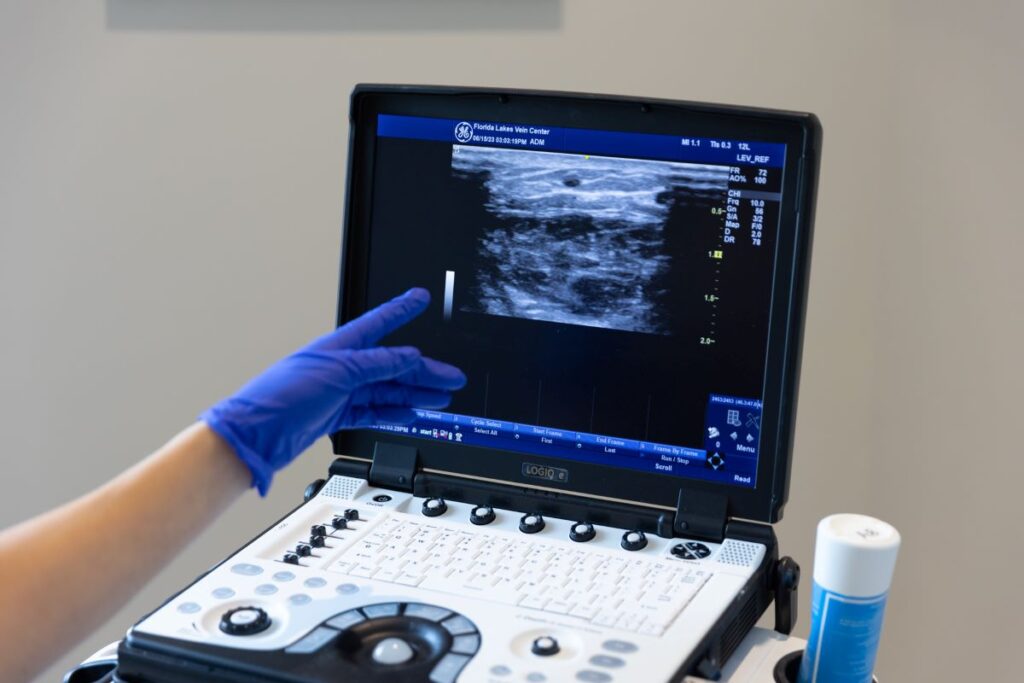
(340, 380)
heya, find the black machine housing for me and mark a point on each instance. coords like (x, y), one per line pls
(800, 132)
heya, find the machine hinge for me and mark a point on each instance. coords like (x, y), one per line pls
(700, 514)
(357, 469)
(393, 466)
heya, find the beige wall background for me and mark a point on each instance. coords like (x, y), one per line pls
(171, 177)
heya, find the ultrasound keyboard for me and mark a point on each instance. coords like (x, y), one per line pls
(632, 594)
(361, 582)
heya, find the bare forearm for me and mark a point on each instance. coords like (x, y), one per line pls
(64, 573)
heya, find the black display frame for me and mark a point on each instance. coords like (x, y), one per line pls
(800, 132)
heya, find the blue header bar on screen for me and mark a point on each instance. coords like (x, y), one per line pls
(582, 141)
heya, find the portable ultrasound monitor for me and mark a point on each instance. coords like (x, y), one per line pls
(623, 282)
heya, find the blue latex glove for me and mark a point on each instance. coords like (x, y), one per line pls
(339, 381)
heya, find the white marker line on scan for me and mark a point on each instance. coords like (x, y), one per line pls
(449, 293)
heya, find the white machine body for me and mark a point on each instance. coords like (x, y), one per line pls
(614, 614)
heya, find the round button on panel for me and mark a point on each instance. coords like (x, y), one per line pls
(300, 599)
(223, 593)
(391, 651)
(244, 621)
(382, 498)
(531, 523)
(545, 646)
(347, 588)
(482, 514)
(500, 670)
(434, 507)
(581, 532)
(266, 589)
(622, 647)
(283, 576)
(607, 661)
(591, 676)
(314, 582)
(189, 607)
(247, 569)
(536, 677)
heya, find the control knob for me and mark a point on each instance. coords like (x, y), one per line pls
(634, 540)
(482, 514)
(351, 514)
(531, 523)
(303, 550)
(434, 507)
(244, 621)
(339, 522)
(581, 532)
(318, 530)
(317, 541)
(545, 646)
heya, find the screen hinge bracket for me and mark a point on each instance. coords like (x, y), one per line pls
(700, 514)
(393, 466)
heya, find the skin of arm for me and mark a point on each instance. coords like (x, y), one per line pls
(52, 600)
(65, 572)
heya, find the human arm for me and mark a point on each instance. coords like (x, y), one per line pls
(64, 573)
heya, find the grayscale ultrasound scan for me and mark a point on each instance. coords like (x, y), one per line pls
(578, 240)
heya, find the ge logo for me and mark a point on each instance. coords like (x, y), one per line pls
(463, 132)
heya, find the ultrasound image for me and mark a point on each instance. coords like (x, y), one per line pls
(578, 240)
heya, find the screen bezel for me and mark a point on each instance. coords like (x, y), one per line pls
(800, 132)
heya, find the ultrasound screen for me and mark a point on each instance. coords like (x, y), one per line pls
(607, 293)
(579, 244)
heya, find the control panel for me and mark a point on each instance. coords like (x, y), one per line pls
(390, 583)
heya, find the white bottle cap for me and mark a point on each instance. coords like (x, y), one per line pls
(855, 555)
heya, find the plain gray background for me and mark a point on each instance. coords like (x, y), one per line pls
(171, 177)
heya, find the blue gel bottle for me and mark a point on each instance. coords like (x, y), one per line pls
(854, 559)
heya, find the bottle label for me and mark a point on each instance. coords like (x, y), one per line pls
(844, 638)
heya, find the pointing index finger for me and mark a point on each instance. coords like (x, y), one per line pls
(369, 328)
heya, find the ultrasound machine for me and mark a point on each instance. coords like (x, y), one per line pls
(624, 283)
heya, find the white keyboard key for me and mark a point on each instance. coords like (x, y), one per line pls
(534, 602)
(629, 621)
(558, 606)
(407, 579)
(583, 611)
(388, 574)
(649, 629)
